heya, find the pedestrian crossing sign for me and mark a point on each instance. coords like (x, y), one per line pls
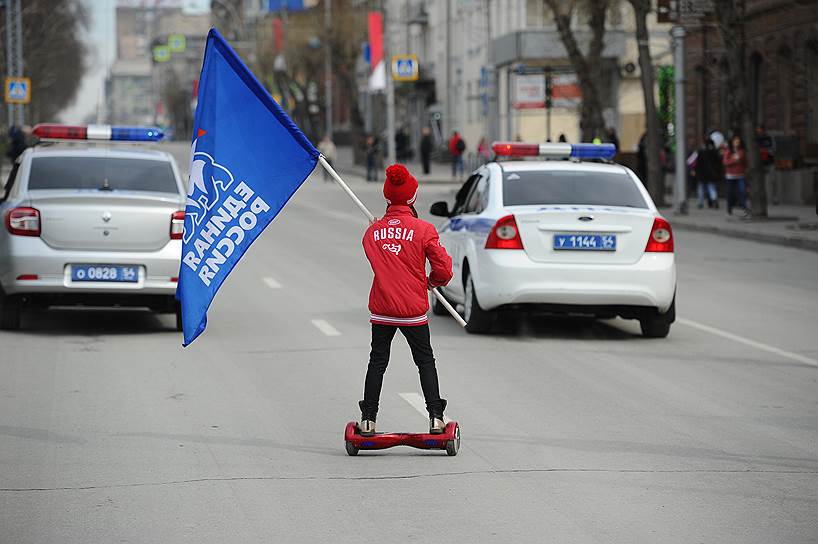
(405, 68)
(177, 43)
(18, 90)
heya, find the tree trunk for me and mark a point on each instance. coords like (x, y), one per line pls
(731, 27)
(655, 181)
(592, 123)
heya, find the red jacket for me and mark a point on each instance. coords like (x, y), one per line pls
(735, 164)
(397, 247)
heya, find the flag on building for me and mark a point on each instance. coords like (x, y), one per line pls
(248, 159)
(377, 76)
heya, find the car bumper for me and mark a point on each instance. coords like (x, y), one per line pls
(31, 257)
(507, 277)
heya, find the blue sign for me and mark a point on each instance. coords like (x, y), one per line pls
(248, 159)
(405, 68)
(18, 90)
(290, 5)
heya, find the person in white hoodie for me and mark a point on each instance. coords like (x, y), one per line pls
(328, 150)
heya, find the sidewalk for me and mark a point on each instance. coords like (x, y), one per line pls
(439, 172)
(791, 226)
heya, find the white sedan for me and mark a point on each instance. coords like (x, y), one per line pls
(564, 233)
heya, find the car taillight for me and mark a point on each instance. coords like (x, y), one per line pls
(177, 225)
(23, 221)
(661, 237)
(505, 235)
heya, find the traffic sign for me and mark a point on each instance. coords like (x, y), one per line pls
(177, 43)
(161, 53)
(405, 68)
(18, 90)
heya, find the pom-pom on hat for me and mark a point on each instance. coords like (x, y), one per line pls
(400, 186)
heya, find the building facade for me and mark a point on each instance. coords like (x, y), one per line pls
(782, 72)
(473, 54)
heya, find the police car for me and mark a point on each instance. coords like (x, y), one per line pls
(565, 233)
(92, 225)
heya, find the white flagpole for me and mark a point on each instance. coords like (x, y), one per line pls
(371, 219)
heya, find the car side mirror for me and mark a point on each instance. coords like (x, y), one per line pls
(440, 209)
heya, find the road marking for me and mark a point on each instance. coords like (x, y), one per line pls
(271, 283)
(325, 327)
(747, 342)
(416, 401)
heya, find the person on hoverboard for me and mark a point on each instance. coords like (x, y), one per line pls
(397, 247)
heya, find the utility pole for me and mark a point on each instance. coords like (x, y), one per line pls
(391, 152)
(680, 191)
(14, 56)
(327, 68)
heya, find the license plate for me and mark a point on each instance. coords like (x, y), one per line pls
(586, 242)
(104, 272)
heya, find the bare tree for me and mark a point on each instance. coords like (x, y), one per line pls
(54, 56)
(730, 22)
(655, 181)
(588, 67)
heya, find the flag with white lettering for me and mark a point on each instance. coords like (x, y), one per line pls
(248, 159)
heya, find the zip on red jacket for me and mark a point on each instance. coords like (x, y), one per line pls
(397, 247)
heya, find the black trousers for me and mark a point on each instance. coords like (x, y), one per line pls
(421, 347)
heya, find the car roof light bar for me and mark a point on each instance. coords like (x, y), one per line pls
(51, 131)
(558, 150)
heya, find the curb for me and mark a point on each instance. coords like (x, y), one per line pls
(762, 237)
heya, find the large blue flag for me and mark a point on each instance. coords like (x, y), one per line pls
(248, 159)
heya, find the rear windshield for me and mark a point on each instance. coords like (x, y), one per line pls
(104, 173)
(571, 187)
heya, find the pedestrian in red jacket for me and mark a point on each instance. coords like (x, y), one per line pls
(397, 246)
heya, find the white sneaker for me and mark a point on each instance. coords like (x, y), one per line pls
(367, 427)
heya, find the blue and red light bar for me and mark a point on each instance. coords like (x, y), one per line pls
(52, 131)
(560, 150)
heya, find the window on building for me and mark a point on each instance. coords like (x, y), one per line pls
(784, 63)
(756, 87)
(811, 74)
(537, 14)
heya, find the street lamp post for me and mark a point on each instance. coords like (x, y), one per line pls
(680, 191)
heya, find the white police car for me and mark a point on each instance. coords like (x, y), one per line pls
(92, 225)
(563, 234)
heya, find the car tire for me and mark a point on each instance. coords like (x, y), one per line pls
(437, 307)
(478, 320)
(658, 326)
(9, 312)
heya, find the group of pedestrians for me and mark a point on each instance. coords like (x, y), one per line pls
(719, 159)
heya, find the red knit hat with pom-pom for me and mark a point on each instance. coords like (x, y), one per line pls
(400, 186)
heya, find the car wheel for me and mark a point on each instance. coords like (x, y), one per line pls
(477, 319)
(9, 312)
(658, 326)
(437, 307)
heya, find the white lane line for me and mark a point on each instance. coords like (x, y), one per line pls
(416, 401)
(271, 283)
(747, 342)
(325, 327)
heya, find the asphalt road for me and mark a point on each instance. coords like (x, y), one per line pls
(573, 430)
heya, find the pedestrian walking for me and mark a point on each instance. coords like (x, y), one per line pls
(327, 148)
(426, 146)
(766, 151)
(457, 147)
(483, 151)
(371, 158)
(735, 168)
(708, 174)
(17, 143)
(397, 247)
